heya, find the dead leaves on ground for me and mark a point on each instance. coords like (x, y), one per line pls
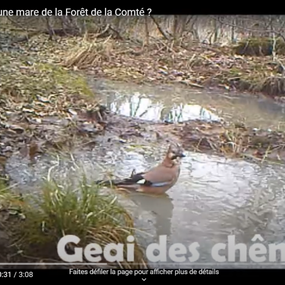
(233, 141)
(197, 66)
(43, 104)
(35, 102)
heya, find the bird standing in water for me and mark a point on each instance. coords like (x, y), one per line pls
(157, 180)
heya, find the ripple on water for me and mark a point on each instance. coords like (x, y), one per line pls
(213, 198)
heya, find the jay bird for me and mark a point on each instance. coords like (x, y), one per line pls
(157, 180)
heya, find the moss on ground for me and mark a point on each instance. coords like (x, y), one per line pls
(28, 77)
(63, 78)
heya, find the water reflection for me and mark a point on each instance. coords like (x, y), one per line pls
(178, 103)
(139, 106)
(162, 208)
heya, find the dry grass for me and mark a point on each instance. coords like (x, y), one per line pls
(274, 85)
(233, 140)
(63, 209)
(88, 53)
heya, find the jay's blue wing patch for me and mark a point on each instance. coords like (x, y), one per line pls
(139, 179)
(160, 184)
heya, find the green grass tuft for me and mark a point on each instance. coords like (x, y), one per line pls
(62, 209)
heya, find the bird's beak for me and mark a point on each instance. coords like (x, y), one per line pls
(182, 155)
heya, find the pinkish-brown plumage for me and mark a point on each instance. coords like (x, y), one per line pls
(158, 179)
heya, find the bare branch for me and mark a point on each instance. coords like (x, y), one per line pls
(158, 27)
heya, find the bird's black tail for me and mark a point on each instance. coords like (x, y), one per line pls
(134, 178)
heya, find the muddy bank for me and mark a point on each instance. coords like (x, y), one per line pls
(199, 66)
(89, 128)
(211, 137)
